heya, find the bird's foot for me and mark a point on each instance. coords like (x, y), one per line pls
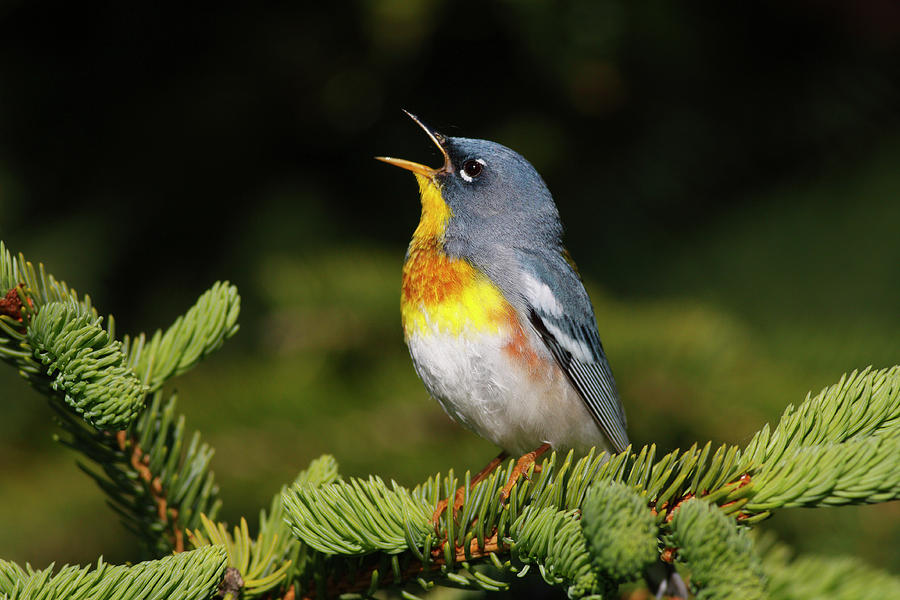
(521, 469)
(459, 497)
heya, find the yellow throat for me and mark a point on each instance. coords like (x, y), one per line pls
(441, 294)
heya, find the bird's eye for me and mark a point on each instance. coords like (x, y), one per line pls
(472, 168)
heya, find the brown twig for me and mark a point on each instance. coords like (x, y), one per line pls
(415, 567)
(139, 461)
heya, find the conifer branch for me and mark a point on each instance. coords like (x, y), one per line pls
(800, 464)
(621, 532)
(38, 286)
(156, 480)
(830, 578)
(585, 524)
(64, 352)
(723, 563)
(188, 576)
(840, 447)
(194, 335)
(85, 365)
(275, 558)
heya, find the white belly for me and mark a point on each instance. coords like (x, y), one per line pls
(516, 406)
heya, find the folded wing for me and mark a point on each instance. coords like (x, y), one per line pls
(567, 326)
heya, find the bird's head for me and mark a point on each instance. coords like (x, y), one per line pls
(484, 193)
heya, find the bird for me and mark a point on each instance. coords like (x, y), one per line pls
(498, 323)
(495, 315)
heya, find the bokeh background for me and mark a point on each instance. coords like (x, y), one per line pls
(728, 175)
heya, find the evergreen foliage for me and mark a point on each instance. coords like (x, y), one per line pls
(622, 532)
(357, 516)
(723, 563)
(85, 365)
(554, 540)
(584, 524)
(834, 578)
(840, 447)
(275, 557)
(187, 576)
(199, 332)
(155, 477)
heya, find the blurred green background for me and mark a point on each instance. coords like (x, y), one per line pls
(728, 175)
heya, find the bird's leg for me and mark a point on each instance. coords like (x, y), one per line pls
(521, 468)
(460, 495)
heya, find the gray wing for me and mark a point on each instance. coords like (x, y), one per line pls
(561, 312)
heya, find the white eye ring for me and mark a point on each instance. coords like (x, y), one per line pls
(469, 178)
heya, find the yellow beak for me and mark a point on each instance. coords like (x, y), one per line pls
(439, 141)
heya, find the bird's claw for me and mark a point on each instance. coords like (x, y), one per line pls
(523, 465)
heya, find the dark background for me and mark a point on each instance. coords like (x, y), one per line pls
(728, 176)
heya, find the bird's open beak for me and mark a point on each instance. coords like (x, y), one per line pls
(438, 139)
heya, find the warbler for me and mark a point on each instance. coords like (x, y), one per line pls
(497, 320)
(498, 323)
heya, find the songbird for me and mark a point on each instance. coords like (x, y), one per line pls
(498, 323)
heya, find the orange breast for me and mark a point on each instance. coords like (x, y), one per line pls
(430, 277)
(443, 294)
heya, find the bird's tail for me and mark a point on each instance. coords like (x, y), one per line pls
(664, 581)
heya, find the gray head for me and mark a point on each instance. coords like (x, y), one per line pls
(496, 198)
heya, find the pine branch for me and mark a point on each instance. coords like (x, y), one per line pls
(586, 525)
(822, 577)
(85, 365)
(553, 540)
(39, 286)
(344, 524)
(621, 531)
(56, 342)
(275, 558)
(723, 563)
(839, 447)
(157, 480)
(188, 576)
(196, 334)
